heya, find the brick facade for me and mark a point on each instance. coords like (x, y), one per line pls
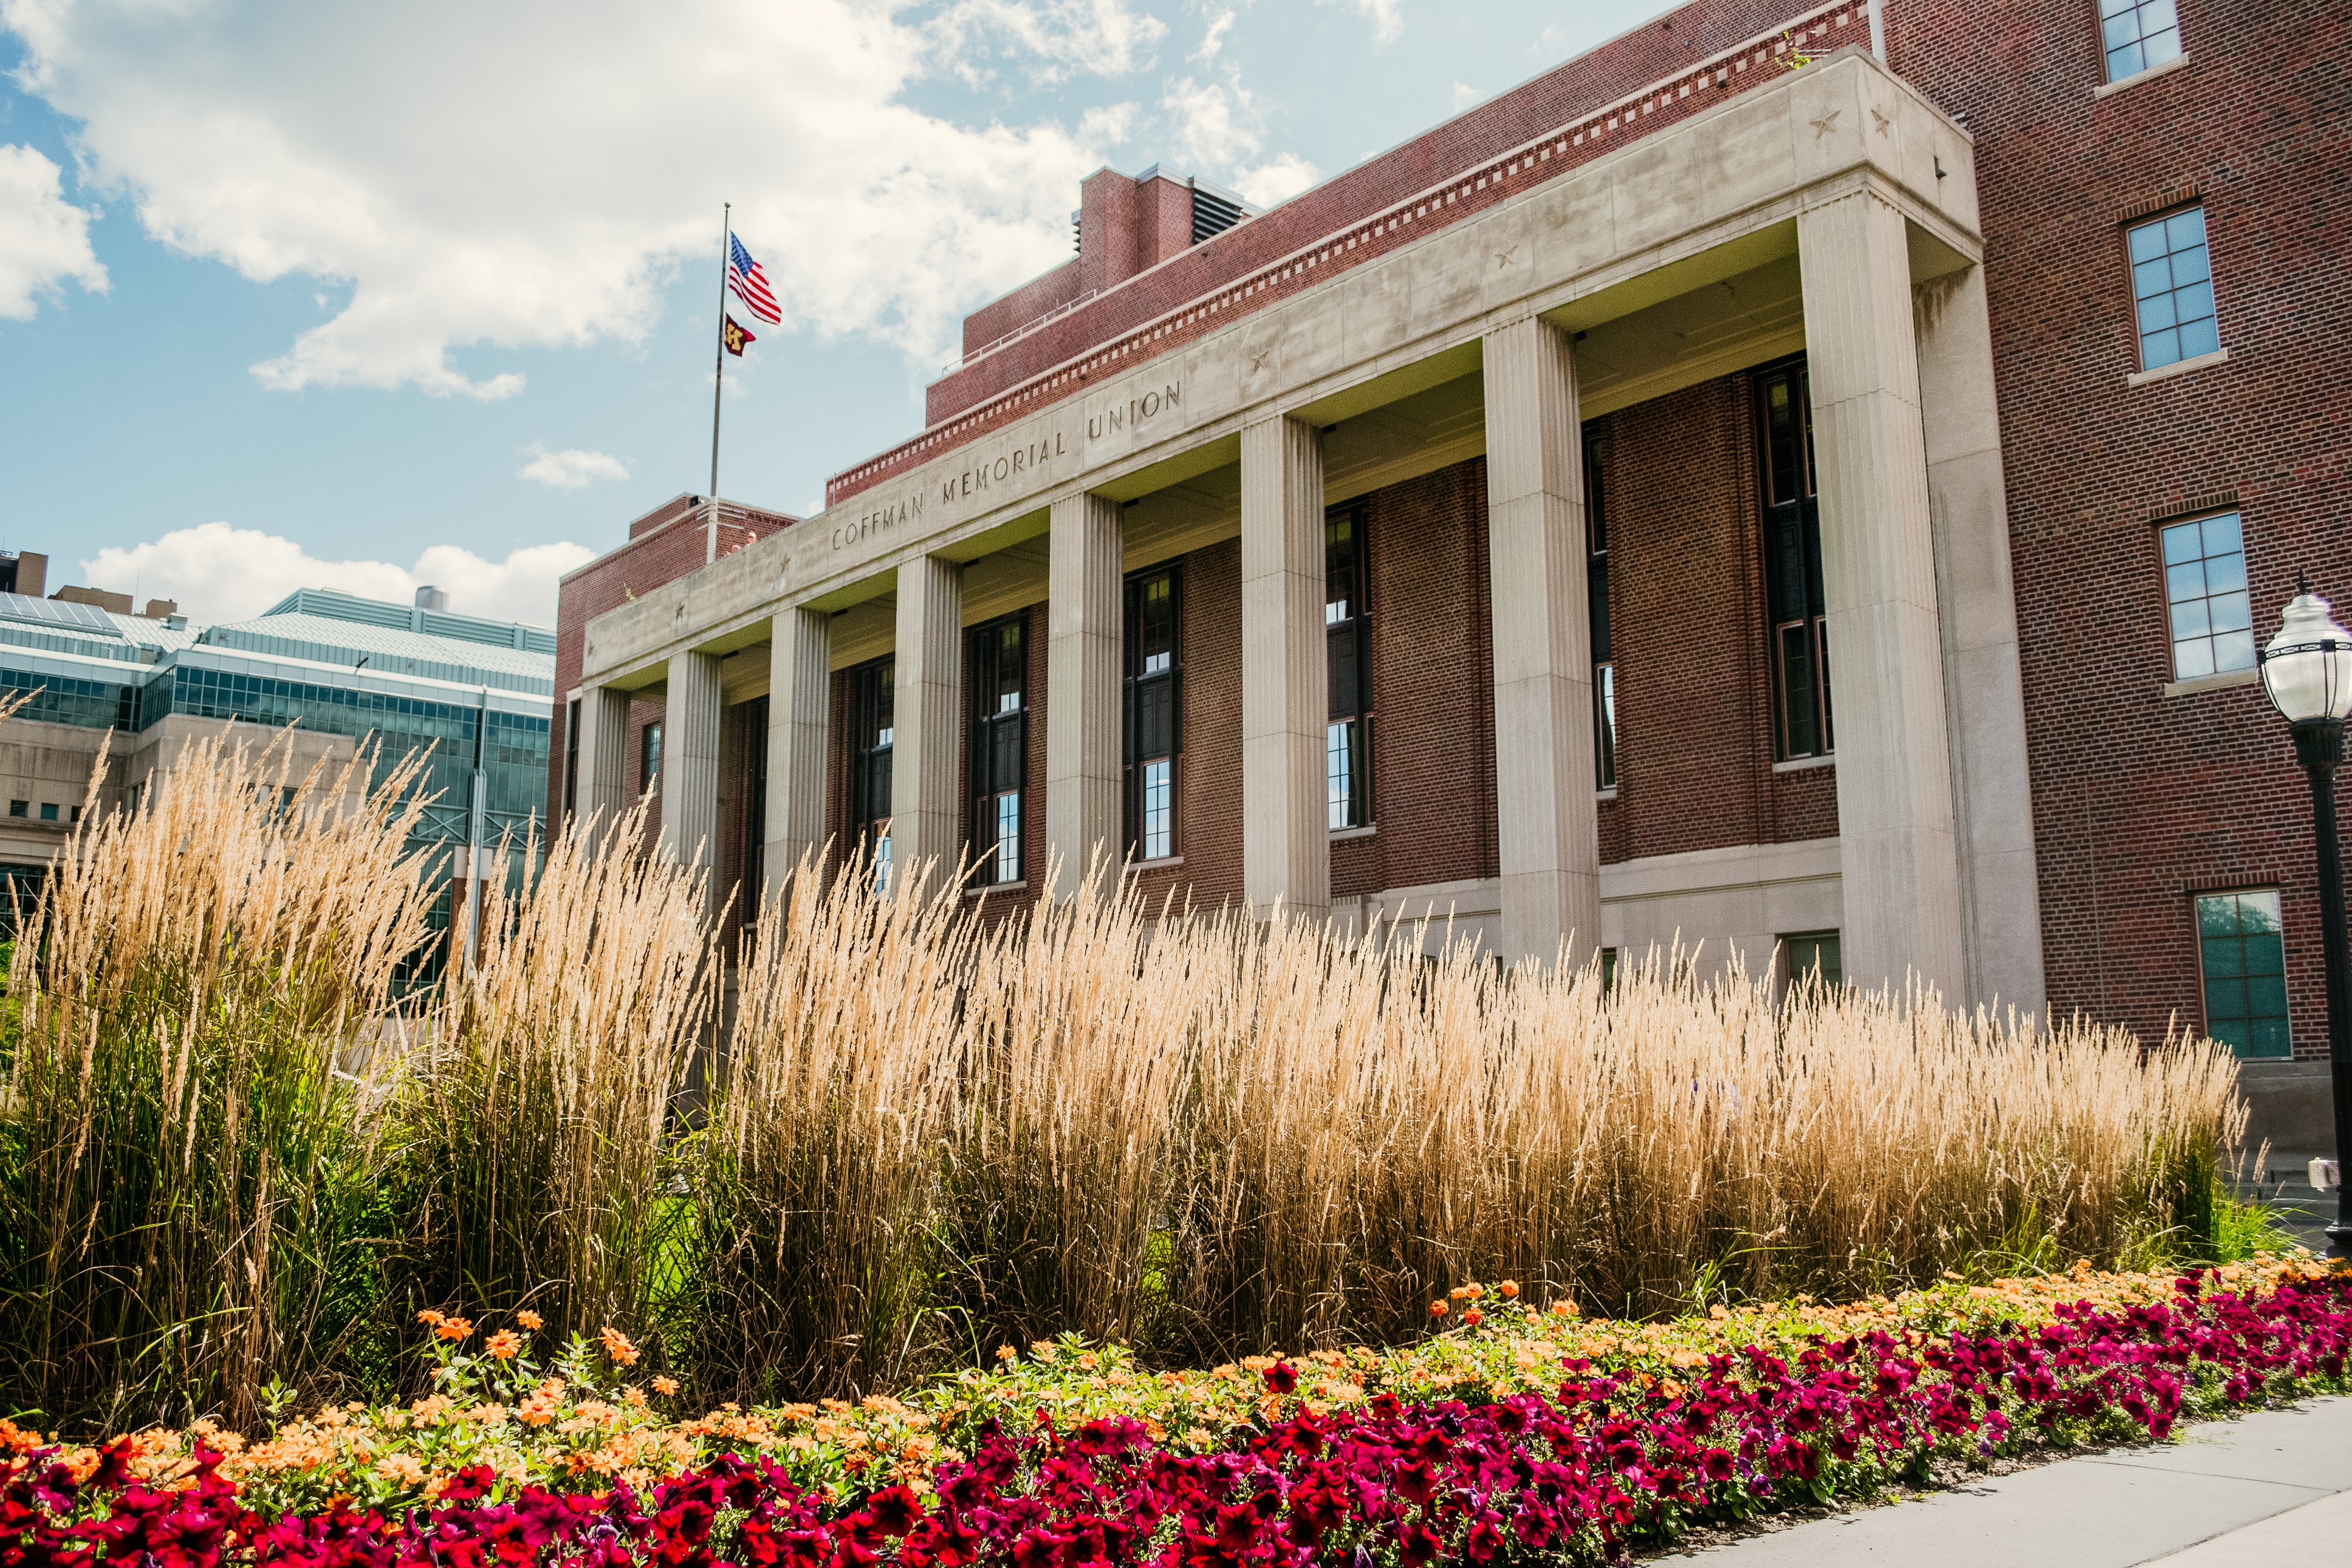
(2142, 800)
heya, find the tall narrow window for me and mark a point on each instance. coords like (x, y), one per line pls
(571, 756)
(998, 740)
(2241, 954)
(1347, 628)
(2173, 289)
(2138, 36)
(871, 701)
(1792, 566)
(1150, 719)
(649, 757)
(2212, 619)
(1596, 578)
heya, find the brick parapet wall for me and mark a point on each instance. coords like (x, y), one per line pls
(2141, 800)
(1581, 110)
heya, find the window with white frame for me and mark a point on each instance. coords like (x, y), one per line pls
(2138, 36)
(2173, 289)
(2211, 617)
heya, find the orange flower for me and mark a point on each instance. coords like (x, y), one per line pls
(530, 1320)
(1563, 1309)
(1438, 1308)
(1510, 1289)
(430, 1318)
(1005, 1352)
(617, 1347)
(665, 1386)
(1473, 1318)
(453, 1329)
(505, 1344)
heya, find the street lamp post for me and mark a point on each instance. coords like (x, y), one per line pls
(2307, 671)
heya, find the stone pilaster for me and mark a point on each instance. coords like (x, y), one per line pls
(689, 766)
(1897, 861)
(1286, 690)
(929, 712)
(1544, 773)
(1082, 688)
(603, 791)
(799, 660)
(1984, 691)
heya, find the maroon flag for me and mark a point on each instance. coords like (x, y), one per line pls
(736, 337)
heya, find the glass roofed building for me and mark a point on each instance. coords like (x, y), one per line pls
(330, 669)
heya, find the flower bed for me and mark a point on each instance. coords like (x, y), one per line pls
(1520, 1432)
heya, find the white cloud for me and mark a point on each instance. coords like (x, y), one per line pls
(1465, 95)
(570, 469)
(1213, 38)
(1212, 124)
(1386, 15)
(1053, 40)
(1277, 180)
(44, 238)
(223, 573)
(468, 179)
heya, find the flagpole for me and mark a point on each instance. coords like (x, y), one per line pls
(718, 353)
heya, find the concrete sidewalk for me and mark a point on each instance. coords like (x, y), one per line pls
(2275, 1488)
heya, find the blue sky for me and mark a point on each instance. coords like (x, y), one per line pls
(369, 295)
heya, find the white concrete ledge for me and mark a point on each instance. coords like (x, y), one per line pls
(2220, 683)
(2166, 69)
(1798, 764)
(2177, 367)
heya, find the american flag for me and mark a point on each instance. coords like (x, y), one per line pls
(748, 284)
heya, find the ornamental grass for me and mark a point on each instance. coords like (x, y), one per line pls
(237, 1154)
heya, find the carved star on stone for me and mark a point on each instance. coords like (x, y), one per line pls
(1885, 124)
(1258, 360)
(1826, 123)
(1502, 259)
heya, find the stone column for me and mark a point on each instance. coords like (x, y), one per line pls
(1286, 682)
(798, 704)
(927, 755)
(689, 764)
(1082, 688)
(1897, 861)
(1984, 692)
(603, 793)
(1548, 830)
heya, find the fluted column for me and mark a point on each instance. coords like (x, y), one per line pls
(1896, 862)
(799, 664)
(1548, 831)
(602, 792)
(689, 764)
(1286, 683)
(1984, 689)
(928, 697)
(1082, 686)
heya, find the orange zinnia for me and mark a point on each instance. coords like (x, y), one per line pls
(505, 1344)
(617, 1347)
(453, 1328)
(530, 1320)
(665, 1386)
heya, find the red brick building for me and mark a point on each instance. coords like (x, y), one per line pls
(1792, 478)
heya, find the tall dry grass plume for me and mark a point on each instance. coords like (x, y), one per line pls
(538, 1106)
(820, 1184)
(1214, 1135)
(182, 1140)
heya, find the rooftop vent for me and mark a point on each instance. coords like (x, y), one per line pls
(431, 598)
(1215, 210)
